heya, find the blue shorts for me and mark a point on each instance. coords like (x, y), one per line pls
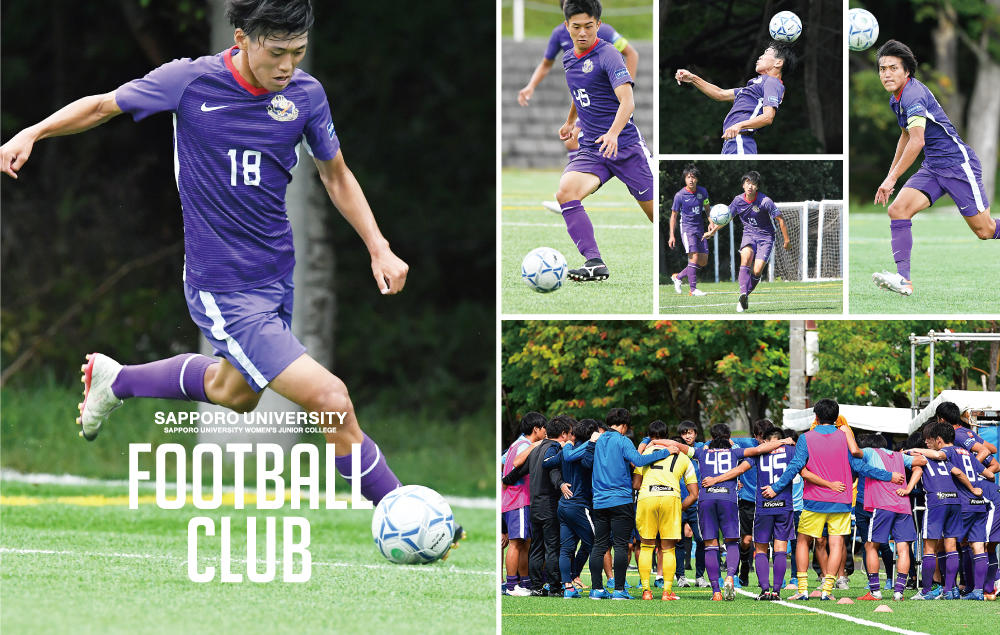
(761, 244)
(715, 515)
(518, 524)
(942, 521)
(887, 524)
(692, 239)
(251, 329)
(741, 144)
(631, 166)
(963, 183)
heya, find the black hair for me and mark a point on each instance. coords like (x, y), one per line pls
(657, 430)
(260, 19)
(943, 430)
(618, 417)
(949, 412)
(691, 169)
(760, 426)
(576, 7)
(530, 421)
(772, 433)
(788, 432)
(584, 428)
(786, 54)
(558, 424)
(685, 426)
(826, 411)
(875, 440)
(753, 176)
(720, 436)
(896, 48)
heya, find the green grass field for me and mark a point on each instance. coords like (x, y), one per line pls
(696, 614)
(768, 297)
(75, 558)
(623, 232)
(951, 268)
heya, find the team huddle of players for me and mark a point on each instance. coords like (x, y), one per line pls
(573, 488)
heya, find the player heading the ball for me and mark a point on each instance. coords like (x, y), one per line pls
(755, 105)
(950, 165)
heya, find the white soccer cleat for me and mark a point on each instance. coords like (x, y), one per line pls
(893, 282)
(99, 373)
(677, 283)
(519, 591)
(698, 292)
(553, 206)
(842, 582)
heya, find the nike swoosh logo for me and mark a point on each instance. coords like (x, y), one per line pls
(206, 108)
(644, 191)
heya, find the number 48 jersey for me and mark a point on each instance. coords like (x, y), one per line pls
(716, 462)
(592, 79)
(770, 467)
(234, 149)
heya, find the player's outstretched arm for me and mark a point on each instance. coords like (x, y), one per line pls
(766, 118)
(914, 479)
(735, 472)
(712, 228)
(345, 192)
(815, 479)
(83, 114)
(709, 89)
(908, 148)
(524, 95)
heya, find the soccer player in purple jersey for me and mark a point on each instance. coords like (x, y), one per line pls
(754, 105)
(689, 203)
(239, 117)
(950, 413)
(610, 144)
(950, 165)
(758, 213)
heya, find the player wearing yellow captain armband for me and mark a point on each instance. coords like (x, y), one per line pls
(660, 508)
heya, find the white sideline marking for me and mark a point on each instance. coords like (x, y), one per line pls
(71, 479)
(563, 226)
(150, 556)
(840, 616)
(758, 303)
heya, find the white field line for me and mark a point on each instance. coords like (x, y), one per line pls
(70, 479)
(563, 226)
(150, 556)
(839, 616)
(733, 304)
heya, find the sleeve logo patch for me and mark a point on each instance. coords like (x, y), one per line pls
(774, 100)
(282, 109)
(621, 72)
(330, 130)
(915, 109)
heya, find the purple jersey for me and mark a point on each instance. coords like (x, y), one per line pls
(757, 215)
(560, 39)
(716, 462)
(967, 438)
(941, 488)
(770, 467)
(942, 145)
(690, 206)
(763, 90)
(592, 79)
(968, 463)
(234, 149)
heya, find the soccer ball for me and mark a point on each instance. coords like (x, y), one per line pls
(719, 214)
(862, 29)
(785, 26)
(543, 269)
(413, 525)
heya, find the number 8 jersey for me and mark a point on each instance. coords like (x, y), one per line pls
(234, 149)
(592, 79)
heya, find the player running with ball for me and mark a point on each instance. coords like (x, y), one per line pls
(758, 214)
(610, 144)
(950, 165)
(689, 203)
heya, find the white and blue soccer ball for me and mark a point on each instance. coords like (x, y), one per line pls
(785, 26)
(543, 269)
(862, 29)
(413, 525)
(719, 214)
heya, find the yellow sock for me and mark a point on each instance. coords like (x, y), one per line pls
(828, 583)
(669, 569)
(645, 564)
(803, 581)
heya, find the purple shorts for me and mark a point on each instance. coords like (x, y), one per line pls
(741, 144)
(942, 521)
(518, 525)
(974, 525)
(963, 183)
(631, 166)
(760, 243)
(768, 527)
(886, 524)
(715, 515)
(692, 239)
(251, 329)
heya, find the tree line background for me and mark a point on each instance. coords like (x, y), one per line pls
(720, 40)
(91, 234)
(721, 371)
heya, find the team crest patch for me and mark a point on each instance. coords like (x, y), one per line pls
(588, 66)
(282, 109)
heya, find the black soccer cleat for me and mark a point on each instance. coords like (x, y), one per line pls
(458, 535)
(742, 303)
(592, 270)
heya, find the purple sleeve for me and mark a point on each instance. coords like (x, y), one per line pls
(705, 194)
(607, 33)
(677, 202)
(320, 135)
(772, 209)
(774, 90)
(911, 103)
(614, 65)
(734, 210)
(553, 48)
(160, 90)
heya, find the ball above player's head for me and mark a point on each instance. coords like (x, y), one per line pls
(413, 525)
(785, 26)
(719, 214)
(862, 29)
(543, 269)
